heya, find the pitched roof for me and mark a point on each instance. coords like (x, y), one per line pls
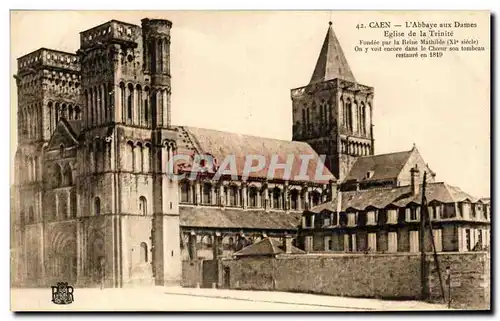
(383, 166)
(485, 200)
(66, 133)
(331, 62)
(220, 144)
(266, 247)
(75, 126)
(211, 217)
(398, 196)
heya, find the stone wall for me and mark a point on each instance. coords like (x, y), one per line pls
(191, 273)
(394, 276)
(470, 279)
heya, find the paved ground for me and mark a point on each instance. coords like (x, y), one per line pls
(187, 299)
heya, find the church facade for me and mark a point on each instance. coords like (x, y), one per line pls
(94, 200)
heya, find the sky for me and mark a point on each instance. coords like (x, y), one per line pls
(233, 71)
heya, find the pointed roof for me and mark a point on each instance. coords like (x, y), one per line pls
(332, 62)
(265, 247)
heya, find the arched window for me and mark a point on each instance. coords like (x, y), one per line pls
(146, 106)
(91, 105)
(276, 198)
(31, 215)
(70, 112)
(123, 97)
(130, 159)
(160, 52)
(63, 111)
(97, 206)
(51, 113)
(57, 112)
(348, 115)
(152, 52)
(154, 107)
(130, 97)
(138, 92)
(185, 189)
(57, 176)
(252, 197)
(362, 118)
(143, 206)
(138, 155)
(146, 157)
(233, 195)
(61, 151)
(72, 204)
(144, 252)
(68, 175)
(105, 101)
(207, 193)
(77, 112)
(294, 197)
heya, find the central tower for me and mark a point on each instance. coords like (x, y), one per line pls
(333, 113)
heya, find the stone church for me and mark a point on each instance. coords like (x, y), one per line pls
(93, 201)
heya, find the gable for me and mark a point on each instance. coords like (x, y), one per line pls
(62, 135)
(415, 159)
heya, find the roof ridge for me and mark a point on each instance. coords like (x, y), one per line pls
(377, 189)
(378, 155)
(246, 135)
(273, 248)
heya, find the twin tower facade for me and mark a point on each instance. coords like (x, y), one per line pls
(93, 201)
(81, 201)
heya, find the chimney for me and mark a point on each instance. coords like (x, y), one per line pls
(288, 244)
(415, 180)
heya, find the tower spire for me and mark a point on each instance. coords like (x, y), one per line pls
(331, 62)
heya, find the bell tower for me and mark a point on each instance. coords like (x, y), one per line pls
(129, 204)
(333, 113)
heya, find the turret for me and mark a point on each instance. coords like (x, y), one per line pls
(156, 44)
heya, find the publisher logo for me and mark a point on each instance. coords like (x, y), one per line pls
(62, 293)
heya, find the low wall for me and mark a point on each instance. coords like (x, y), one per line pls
(200, 273)
(191, 273)
(470, 279)
(395, 275)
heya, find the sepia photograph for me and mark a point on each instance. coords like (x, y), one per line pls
(250, 161)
